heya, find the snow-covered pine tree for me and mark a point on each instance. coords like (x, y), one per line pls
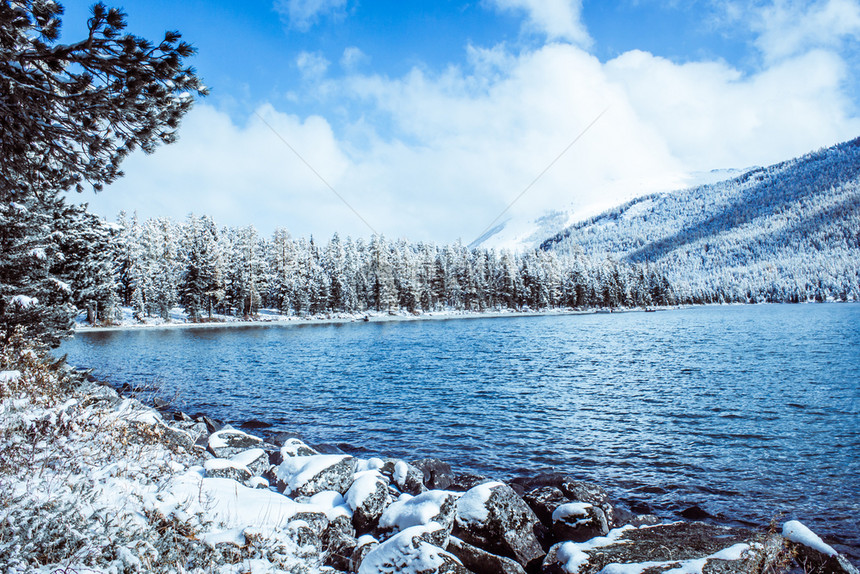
(86, 262)
(69, 114)
(31, 298)
(201, 285)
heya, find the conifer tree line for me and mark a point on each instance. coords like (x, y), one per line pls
(206, 270)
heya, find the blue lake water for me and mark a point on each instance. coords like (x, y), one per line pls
(746, 411)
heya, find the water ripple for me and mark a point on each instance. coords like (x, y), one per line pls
(745, 411)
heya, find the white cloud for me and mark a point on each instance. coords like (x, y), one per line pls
(352, 58)
(558, 19)
(786, 28)
(439, 155)
(312, 65)
(302, 14)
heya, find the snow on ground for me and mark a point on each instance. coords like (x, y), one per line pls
(798, 532)
(179, 320)
(93, 483)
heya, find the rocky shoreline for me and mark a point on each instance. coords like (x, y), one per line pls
(219, 499)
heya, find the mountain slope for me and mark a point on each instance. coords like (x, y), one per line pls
(524, 232)
(787, 232)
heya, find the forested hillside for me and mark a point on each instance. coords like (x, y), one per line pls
(205, 269)
(788, 232)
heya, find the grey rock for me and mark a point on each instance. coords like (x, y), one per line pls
(404, 476)
(325, 448)
(295, 447)
(480, 561)
(434, 506)
(544, 500)
(367, 508)
(317, 521)
(309, 475)
(256, 460)
(584, 524)
(812, 561)
(507, 527)
(212, 425)
(197, 430)
(339, 543)
(573, 491)
(437, 473)
(220, 468)
(465, 481)
(624, 517)
(396, 554)
(364, 546)
(229, 441)
(667, 545)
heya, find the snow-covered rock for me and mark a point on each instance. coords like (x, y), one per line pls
(226, 468)
(493, 517)
(228, 442)
(815, 554)
(404, 476)
(256, 460)
(433, 506)
(437, 473)
(578, 521)
(682, 547)
(295, 447)
(416, 550)
(339, 543)
(545, 492)
(309, 475)
(480, 561)
(368, 497)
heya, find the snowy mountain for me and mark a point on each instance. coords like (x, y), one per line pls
(522, 232)
(787, 232)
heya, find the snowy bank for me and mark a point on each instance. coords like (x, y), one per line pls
(179, 320)
(91, 481)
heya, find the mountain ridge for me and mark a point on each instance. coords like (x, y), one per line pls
(780, 233)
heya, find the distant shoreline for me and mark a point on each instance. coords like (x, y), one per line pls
(377, 317)
(374, 317)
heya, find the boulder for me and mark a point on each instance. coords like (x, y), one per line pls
(317, 521)
(196, 430)
(437, 473)
(416, 550)
(212, 425)
(256, 460)
(404, 476)
(573, 491)
(465, 481)
(225, 468)
(811, 553)
(295, 447)
(624, 517)
(309, 475)
(480, 561)
(543, 500)
(493, 517)
(578, 522)
(364, 545)
(687, 546)
(368, 497)
(339, 543)
(229, 441)
(255, 424)
(433, 506)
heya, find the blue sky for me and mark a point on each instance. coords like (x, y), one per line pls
(429, 118)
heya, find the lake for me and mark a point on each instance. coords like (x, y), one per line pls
(745, 411)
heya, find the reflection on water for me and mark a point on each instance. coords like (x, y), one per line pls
(745, 411)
